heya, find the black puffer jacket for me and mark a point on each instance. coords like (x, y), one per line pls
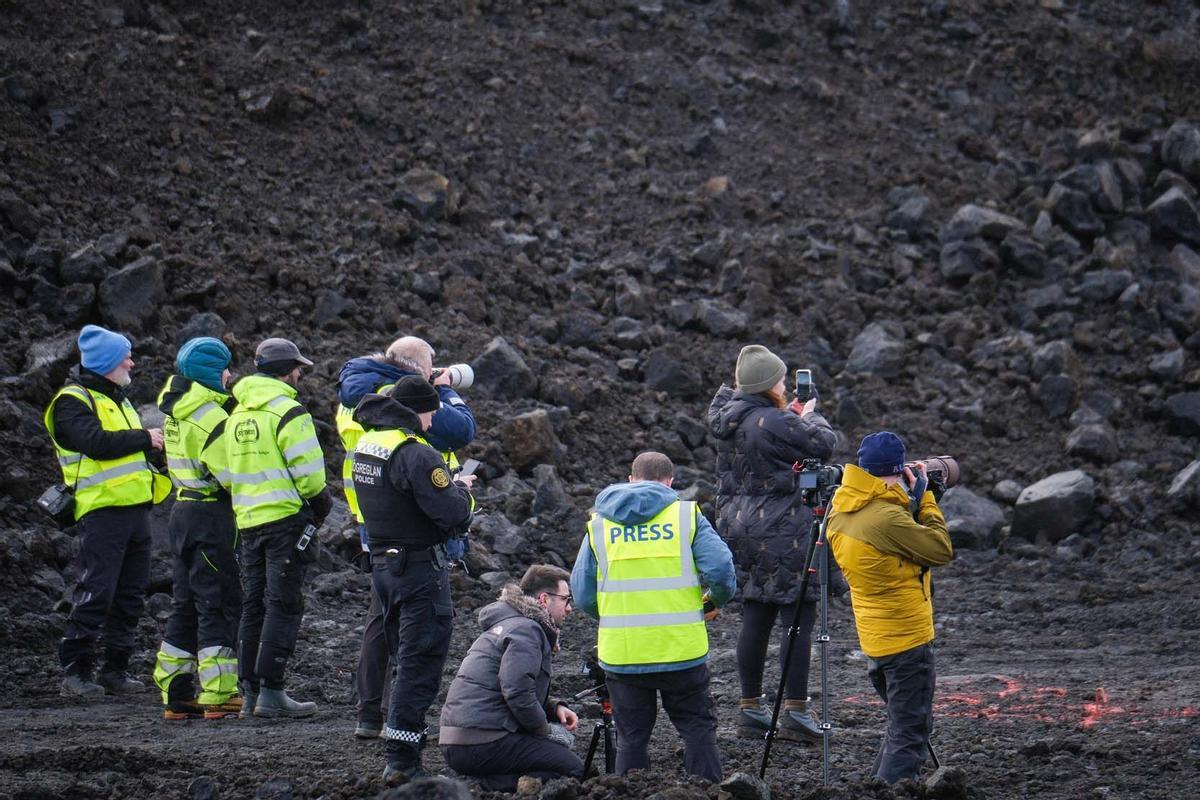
(759, 513)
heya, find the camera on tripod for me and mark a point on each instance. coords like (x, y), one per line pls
(812, 474)
(592, 668)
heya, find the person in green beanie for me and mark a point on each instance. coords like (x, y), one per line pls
(760, 515)
(201, 634)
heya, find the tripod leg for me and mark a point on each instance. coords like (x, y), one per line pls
(591, 751)
(610, 753)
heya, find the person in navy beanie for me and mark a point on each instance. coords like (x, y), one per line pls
(104, 453)
(200, 638)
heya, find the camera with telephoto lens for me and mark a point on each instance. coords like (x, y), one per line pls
(461, 375)
(942, 472)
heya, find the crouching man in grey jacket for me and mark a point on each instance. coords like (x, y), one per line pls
(499, 722)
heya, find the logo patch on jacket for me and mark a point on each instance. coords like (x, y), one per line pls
(440, 478)
(246, 432)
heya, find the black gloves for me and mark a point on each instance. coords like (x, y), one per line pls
(321, 504)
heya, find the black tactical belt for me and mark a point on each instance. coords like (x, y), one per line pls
(413, 555)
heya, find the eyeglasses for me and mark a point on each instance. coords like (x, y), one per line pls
(570, 600)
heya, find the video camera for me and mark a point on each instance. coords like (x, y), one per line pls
(812, 474)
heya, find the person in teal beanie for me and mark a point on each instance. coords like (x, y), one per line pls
(200, 639)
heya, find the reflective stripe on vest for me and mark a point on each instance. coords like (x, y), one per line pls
(184, 438)
(648, 591)
(350, 432)
(124, 481)
(263, 487)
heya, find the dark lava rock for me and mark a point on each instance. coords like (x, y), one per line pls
(501, 370)
(1104, 285)
(1054, 507)
(972, 221)
(1183, 411)
(1023, 255)
(529, 439)
(1094, 442)
(1185, 486)
(974, 521)
(743, 786)
(20, 217)
(275, 789)
(1057, 394)
(549, 493)
(424, 193)
(1073, 210)
(669, 369)
(912, 216)
(560, 789)
(877, 352)
(505, 537)
(1167, 366)
(205, 323)
(42, 260)
(203, 788)
(130, 296)
(963, 258)
(1181, 149)
(1174, 216)
(85, 265)
(720, 320)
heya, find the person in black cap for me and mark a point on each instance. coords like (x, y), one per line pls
(277, 483)
(411, 507)
(886, 531)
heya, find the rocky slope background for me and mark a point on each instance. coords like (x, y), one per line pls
(976, 222)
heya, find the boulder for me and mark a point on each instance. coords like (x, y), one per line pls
(501, 371)
(720, 320)
(1073, 210)
(53, 357)
(1174, 216)
(424, 193)
(529, 439)
(974, 521)
(1054, 507)
(204, 323)
(129, 297)
(1181, 149)
(877, 352)
(1167, 366)
(1104, 285)
(499, 534)
(963, 258)
(549, 493)
(1054, 357)
(632, 300)
(1057, 394)
(1023, 255)
(1096, 442)
(670, 369)
(972, 221)
(1185, 486)
(20, 216)
(1183, 412)
(743, 786)
(85, 265)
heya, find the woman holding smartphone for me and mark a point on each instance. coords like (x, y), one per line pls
(761, 516)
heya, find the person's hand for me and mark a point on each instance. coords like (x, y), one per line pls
(806, 408)
(156, 438)
(440, 377)
(711, 612)
(466, 480)
(919, 477)
(567, 717)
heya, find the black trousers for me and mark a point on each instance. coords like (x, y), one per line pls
(499, 764)
(114, 571)
(418, 618)
(272, 604)
(370, 678)
(208, 594)
(758, 620)
(686, 700)
(906, 682)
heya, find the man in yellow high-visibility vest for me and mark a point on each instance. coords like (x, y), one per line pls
(103, 449)
(640, 572)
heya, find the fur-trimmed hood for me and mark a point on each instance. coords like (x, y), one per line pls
(513, 602)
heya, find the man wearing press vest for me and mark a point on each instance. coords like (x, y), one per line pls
(640, 572)
(277, 480)
(102, 449)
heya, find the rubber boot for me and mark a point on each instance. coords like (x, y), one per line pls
(249, 699)
(115, 677)
(77, 682)
(275, 704)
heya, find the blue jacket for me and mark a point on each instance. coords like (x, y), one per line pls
(634, 503)
(453, 425)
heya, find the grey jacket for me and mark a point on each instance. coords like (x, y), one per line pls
(503, 683)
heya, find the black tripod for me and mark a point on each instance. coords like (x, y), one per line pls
(604, 729)
(817, 498)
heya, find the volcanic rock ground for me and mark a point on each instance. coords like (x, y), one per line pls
(626, 193)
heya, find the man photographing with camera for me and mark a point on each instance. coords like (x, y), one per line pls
(886, 548)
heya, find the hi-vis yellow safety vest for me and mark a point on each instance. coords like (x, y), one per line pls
(647, 588)
(124, 481)
(350, 432)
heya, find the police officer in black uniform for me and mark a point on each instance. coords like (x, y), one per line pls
(411, 506)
